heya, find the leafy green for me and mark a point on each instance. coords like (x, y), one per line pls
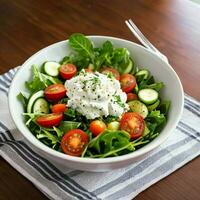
(68, 125)
(109, 143)
(58, 131)
(157, 118)
(164, 107)
(156, 86)
(40, 80)
(120, 59)
(65, 60)
(82, 45)
(52, 139)
(23, 100)
(106, 55)
(70, 113)
(110, 118)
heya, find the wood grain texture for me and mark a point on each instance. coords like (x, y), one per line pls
(173, 26)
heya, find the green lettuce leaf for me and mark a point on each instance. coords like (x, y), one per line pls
(40, 80)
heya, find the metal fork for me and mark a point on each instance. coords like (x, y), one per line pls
(139, 35)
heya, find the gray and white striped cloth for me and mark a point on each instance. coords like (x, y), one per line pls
(62, 183)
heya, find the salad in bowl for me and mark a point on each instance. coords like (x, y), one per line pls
(94, 102)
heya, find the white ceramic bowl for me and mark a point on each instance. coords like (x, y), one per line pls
(144, 58)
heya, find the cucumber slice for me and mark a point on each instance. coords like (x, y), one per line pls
(148, 96)
(138, 107)
(41, 106)
(32, 100)
(129, 67)
(51, 68)
(142, 75)
(154, 105)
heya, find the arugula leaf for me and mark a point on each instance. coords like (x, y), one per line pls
(46, 134)
(164, 107)
(107, 47)
(109, 143)
(120, 59)
(58, 132)
(70, 112)
(82, 45)
(157, 118)
(23, 100)
(110, 118)
(104, 55)
(65, 60)
(40, 80)
(68, 125)
(156, 86)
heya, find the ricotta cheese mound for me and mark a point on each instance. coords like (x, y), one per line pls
(95, 95)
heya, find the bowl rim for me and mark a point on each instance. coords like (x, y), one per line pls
(147, 148)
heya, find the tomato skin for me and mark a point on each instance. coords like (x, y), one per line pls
(58, 108)
(97, 127)
(55, 92)
(131, 97)
(133, 123)
(128, 82)
(67, 71)
(74, 141)
(111, 70)
(50, 120)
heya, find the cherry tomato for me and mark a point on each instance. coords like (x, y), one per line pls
(55, 92)
(74, 141)
(67, 71)
(49, 120)
(58, 108)
(97, 127)
(128, 82)
(131, 97)
(133, 123)
(109, 70)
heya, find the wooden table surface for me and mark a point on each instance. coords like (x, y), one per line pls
(173, 26)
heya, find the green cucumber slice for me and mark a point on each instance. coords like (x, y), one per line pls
(32, 100)
(51, 68)
(41, 106)
(154, 105)
(148, 96)
(138, 107)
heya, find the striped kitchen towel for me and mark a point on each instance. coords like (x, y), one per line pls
(63, 183)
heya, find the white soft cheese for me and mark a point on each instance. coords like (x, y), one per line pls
(95, 95)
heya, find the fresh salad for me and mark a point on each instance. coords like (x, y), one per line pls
(95, 102)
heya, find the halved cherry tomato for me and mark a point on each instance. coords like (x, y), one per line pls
(58, 108)
(49, 120)
(74, 141)
(97, 127)
(55, 92)
(128, 82)
(109, 70)
(67, 71)
(131, 97)
(133, 123)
